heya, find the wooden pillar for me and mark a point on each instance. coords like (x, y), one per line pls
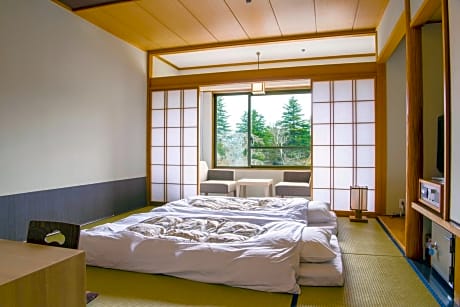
(380, 140)
(414, 136)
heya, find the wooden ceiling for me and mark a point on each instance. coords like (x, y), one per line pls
(186, 24)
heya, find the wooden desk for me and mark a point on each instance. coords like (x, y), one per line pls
(242, 183)
(39, 275)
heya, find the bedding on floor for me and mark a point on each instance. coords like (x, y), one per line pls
(328, 273)
(314, 213)
(257, 243)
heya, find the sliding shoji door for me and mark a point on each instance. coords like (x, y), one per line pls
(343, 141)
(174, 145)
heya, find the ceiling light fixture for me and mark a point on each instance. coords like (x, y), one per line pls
(258, 88)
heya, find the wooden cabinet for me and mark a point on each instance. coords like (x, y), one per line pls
(38, 275)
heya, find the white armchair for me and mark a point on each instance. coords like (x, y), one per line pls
(220, 181)
(295, 183)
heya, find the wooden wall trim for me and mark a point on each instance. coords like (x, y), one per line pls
(148, 147)
(414, 136)
(316, 73)
(393, 41)
(380, 140)
(447, 103)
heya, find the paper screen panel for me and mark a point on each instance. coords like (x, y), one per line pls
(173, 192)
(366, 177)
(343, 134)
(365, 134)
(190, 118)
(174, 144)
(343, 156)
(322, 194)
(191, 98)
(158, 118)
(321, 155)
(341, 199)
(158, 155)
(158, 173)
(321, 92)
(322, 177)
(365, 111)
(321, 134)
(158, 100)
(343, 90)
(190, 155)
(173, 100)
(173, 116)
(343, 112)
(158, 192)
(190, 137)
(173, 137)
(365, 89)
(321, 113)
(174, 155)
(365, 156)
(173, 174)
(343, 120)
(158, 136)
(190, 174)
(343, 177)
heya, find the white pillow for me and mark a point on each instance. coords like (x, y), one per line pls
(319, 212)
(315, 245)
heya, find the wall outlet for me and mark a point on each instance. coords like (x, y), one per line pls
(402, 203)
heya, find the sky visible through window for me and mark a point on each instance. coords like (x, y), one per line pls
(235, 105)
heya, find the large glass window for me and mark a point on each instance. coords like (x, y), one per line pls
(271, 130)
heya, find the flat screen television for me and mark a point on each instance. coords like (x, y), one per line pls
(440, 145)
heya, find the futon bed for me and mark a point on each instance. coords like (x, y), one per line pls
(267, 244)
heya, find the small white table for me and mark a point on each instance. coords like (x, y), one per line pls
(243, 183)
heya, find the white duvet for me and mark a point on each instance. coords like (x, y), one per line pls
(260, 210)
(265, 257)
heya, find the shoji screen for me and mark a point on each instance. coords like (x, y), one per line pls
(174, 151)
(343, 119)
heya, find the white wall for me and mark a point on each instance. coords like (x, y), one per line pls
(72, 101)
(454, 34)
(396, 136)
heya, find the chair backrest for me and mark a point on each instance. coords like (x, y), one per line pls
(203, 171)
(296, 176)
(221, 174)
(54, 233)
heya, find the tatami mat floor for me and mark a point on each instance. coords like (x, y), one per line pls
(376, 274)
(375, 271)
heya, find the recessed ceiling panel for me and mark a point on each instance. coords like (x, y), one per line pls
(272, 52)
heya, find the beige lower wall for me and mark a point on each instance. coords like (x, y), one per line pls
(396, 136)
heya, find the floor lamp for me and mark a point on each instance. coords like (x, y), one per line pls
(358, 203)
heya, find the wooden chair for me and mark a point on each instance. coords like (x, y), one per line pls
(58, 234)
(54, 233)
